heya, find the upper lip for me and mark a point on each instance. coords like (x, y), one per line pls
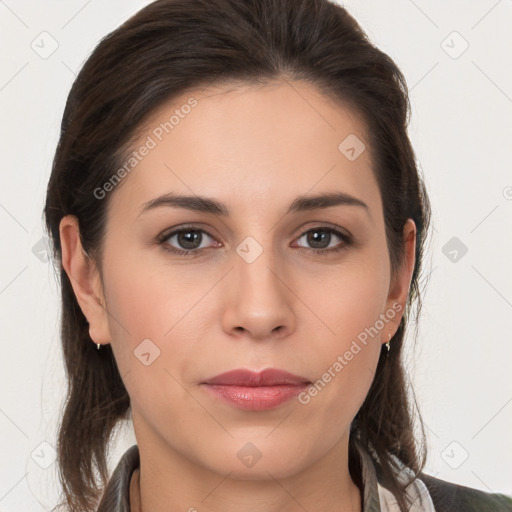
(268, 377)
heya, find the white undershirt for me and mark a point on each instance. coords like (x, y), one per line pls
(418, 492)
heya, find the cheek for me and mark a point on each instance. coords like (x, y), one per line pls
(349, 303)
(149, 298)
(150, 322)
(350, 298)
(150, 316)
(351, 346)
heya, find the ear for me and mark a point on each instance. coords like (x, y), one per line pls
(85, 279)
(399, 286)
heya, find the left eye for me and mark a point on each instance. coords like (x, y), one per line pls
(318, 237)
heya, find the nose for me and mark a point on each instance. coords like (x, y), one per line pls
(259, 304)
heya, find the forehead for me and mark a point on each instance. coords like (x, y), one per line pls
(249, 146)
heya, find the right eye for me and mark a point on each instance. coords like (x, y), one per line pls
(188, 238)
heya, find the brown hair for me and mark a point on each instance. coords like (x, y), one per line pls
(165, 49)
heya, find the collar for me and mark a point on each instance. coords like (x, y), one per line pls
(376, 498)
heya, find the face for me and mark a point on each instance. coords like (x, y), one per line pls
(307, 290)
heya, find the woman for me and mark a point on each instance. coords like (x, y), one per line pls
(239, 225)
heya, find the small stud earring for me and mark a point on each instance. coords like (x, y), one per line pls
(98, 345)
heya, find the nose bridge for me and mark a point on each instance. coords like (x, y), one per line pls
(260, 301)
(255, 267)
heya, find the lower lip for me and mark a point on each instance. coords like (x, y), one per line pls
(257, 398)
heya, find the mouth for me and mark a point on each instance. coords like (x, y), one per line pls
(256, 391)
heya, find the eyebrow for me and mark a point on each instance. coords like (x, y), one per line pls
(207, 205)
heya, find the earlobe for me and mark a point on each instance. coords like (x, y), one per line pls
(85, 279)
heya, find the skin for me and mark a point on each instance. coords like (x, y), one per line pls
(255, 149)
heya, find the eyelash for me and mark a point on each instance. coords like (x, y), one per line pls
(162, 240)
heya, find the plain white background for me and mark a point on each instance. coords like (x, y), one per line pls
(456, 56)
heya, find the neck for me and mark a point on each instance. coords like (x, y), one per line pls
(163, 484)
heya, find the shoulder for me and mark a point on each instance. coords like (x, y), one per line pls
(458, 498)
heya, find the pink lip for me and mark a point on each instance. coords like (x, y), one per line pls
(256, 391)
